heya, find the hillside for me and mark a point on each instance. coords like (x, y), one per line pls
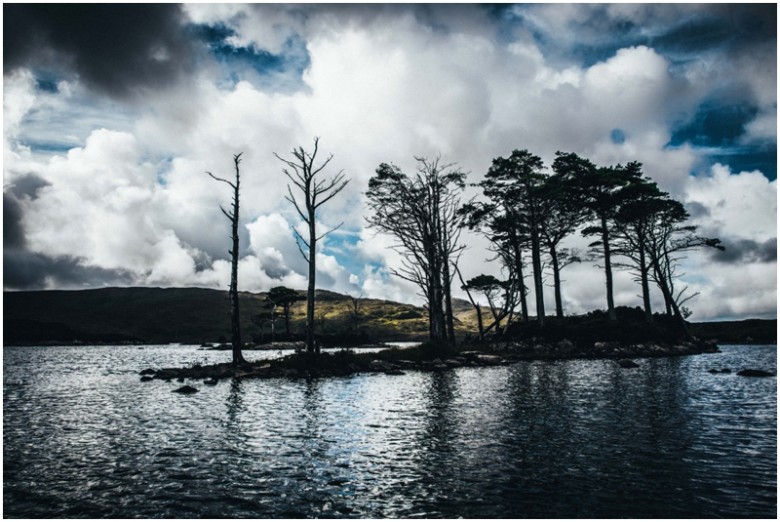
(197, 315)
(193, 315)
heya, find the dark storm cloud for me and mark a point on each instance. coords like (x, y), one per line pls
(23, 270)
(13, 235)
(747, 251)
(28, 186)
(598, 32)
(115, 48)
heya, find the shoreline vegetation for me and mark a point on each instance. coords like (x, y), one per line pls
(424, 357)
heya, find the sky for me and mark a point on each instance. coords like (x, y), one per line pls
(113, 114)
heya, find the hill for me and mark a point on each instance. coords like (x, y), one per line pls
(193, 315)
(197, 315)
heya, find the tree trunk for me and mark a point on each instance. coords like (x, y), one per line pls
(608, 269)
(310, 345)
(556, 282)
(235, 322)
(520, 278)
(448, 304)
(287, 319)
(536, 261)
(643, 274)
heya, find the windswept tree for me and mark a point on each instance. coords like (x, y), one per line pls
(563, 215)
(235, 324)
(283, 297)
(599, 191)
(420, 213)
(668, 239)
(497, 296)
(515, 214)
(315, 191)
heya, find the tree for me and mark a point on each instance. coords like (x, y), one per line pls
(316, 192)
(513, 187)
(563, 214)
(491, 288)
(499, 227)
(235, 324)
(598, 189)
(668, 238)
(284, 297)
(420, 212)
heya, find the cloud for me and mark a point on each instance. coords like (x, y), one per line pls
(747, 251)
(120, 185)
(117, 49)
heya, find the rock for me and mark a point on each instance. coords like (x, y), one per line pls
(627, 363)
(211, 382)
(186, 390)
(380, 366)
(146, 378)
(754, 373)
(147, 371)
(725, 370)
(490, 360)
(180, 379)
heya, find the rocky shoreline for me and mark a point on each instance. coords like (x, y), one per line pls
(396, 361)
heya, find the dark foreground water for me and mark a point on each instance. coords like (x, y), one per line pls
(82, 437)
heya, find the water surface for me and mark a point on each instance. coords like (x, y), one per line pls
(84, 438)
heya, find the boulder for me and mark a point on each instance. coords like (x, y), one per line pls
(627, 363)
(380, 366)
(186, 390)
(754, 373)
(490, 360)
(147, 371)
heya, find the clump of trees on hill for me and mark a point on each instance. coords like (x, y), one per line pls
(525, 210)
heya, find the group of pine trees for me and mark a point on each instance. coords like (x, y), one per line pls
(525, 211)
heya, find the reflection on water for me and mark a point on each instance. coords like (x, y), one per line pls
(84, 438)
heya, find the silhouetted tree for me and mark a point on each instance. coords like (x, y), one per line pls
(235, 324)
(668, 238)
(491, 288)
(284, 297)
(315, 192)
(516, 206)
(563, 215)
(497, 224)
(598, 190)
(420, 212)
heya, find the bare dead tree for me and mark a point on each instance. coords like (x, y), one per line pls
(235, 324)
(303, 174)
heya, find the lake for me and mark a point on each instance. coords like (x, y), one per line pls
(83, 437)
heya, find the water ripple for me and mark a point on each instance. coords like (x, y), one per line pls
(84, 438)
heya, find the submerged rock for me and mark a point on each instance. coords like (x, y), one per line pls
(754, 373)
(627, 363)
(186, 390)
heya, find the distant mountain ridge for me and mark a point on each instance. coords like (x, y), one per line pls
(189, 315)
(198, 315)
